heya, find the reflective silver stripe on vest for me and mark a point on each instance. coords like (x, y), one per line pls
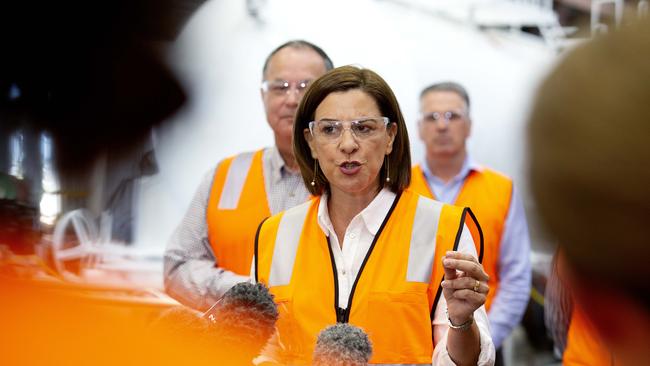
(423, 240)
(232, 188)
(286, 244)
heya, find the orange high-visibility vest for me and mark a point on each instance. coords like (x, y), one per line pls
(584, 347)
(236, 206)
(395, 294)
(488, 194)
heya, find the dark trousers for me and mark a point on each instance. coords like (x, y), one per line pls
(499, 359)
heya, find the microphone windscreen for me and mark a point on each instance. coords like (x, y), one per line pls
(342, 344)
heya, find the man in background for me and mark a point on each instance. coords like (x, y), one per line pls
(448, 174)
(212, 248)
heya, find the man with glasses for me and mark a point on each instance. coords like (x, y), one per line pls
(449, 175)
(212, 248)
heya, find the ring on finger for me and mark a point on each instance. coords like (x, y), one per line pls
(477, 285)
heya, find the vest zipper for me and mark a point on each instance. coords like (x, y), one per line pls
(340, 315)
(343, 315)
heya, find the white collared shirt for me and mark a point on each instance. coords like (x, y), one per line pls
(357, 240)
(284, 188)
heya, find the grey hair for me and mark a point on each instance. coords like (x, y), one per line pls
(342, 344)
(299, 44)
(448, 86)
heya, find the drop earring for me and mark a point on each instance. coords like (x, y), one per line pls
(313, 179)
(387, 169)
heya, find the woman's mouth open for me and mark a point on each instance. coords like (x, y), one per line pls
(350, 167)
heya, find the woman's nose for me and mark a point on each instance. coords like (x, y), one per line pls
(348, 142)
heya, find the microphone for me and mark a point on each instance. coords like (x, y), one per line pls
(342, 344)
(243, 320)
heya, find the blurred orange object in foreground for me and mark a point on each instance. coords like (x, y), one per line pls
(63, 324)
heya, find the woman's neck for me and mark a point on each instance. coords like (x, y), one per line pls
(343, 207)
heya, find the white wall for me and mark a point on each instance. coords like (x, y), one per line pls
(219, 57)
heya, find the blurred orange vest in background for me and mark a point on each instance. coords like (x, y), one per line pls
(584, 347)
(488, 194)
(236, 206)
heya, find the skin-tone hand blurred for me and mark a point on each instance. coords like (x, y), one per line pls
(465, 289)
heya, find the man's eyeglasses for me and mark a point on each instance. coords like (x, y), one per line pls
(362, 128)
(448, 117)
(283, 87)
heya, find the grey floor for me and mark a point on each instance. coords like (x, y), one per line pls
(519, 352)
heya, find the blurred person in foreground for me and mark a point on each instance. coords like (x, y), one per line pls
(94, 80)
(575, 339)
(366, 250)
(92, 77)
(589, 152)
(448, 174)
(342, 344)
(212, 248)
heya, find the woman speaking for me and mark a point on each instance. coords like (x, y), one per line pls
(366, 250)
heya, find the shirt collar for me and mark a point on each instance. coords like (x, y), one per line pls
(278, 166)
(372, 216)
(468, 166)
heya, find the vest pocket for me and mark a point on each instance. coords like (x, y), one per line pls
(288, 340)
(399, 327)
